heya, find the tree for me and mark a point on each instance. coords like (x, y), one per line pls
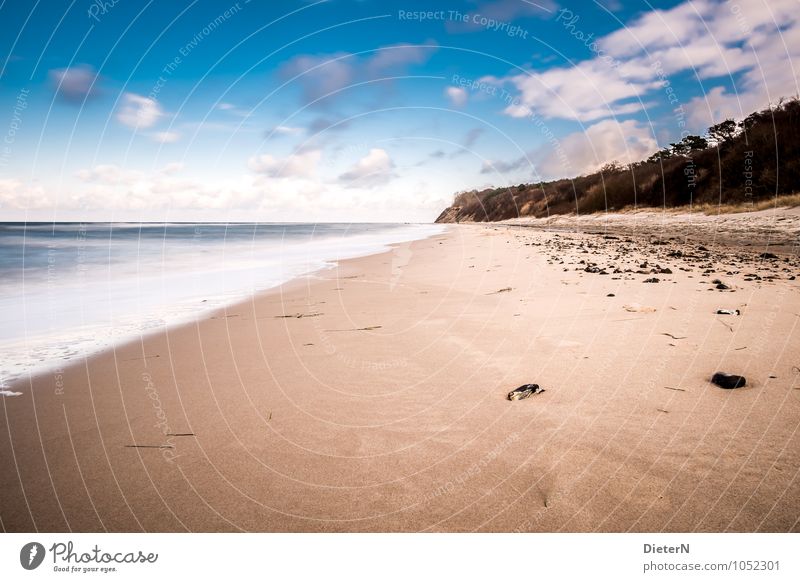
(612, 167)
(660, 155)
(755, 118)
(688, 145)
(723, 132)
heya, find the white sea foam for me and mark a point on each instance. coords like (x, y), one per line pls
(81, 289)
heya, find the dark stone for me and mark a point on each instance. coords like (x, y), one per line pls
(722, 286)
(728, 381)
(652, 280)
(767, 256)
(524, 391)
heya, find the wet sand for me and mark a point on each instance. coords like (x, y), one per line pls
(371, 397)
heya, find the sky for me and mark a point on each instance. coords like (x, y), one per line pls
(357, 110)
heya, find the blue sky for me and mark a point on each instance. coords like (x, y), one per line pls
(357, 110)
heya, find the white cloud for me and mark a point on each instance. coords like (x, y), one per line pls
(110, 187)
(301, 164)
(468, 142)
(324, 124)
(612, 5)
(138, 112)
(605, 141)
(321, 75)
(501, 167)
(502, 11)
(659, 29)
(17, 195)
(232, 109)
(169, 185)
(580, 152)
(223, 127)
(773, 75)
(394, 59)
(166, 136)
(108, 174)
(699, 23)
(374, 168)
(756, 43)
(172, 168)
(456, 95)
(588, 91)
(286, 130)
(134, 195)
(74, 84)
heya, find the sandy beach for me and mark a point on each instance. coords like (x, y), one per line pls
(372, 396)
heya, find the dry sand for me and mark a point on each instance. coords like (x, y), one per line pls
(379, 405)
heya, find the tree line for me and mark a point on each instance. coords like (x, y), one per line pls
(732, 163)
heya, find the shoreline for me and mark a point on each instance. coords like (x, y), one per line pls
(185, 312)
(382, 407)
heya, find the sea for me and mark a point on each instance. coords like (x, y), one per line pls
(68, 290)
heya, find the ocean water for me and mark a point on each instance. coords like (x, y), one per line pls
(70, 289)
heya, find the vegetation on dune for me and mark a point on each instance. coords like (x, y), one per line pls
(739, 165)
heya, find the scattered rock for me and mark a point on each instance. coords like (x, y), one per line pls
(652, 280)
(636, 308)
(610, 295)
(722, 286)
(524, 391)
(297, 315)
(728, 381)
(728, 312)
(767, 256)
(368, 328)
